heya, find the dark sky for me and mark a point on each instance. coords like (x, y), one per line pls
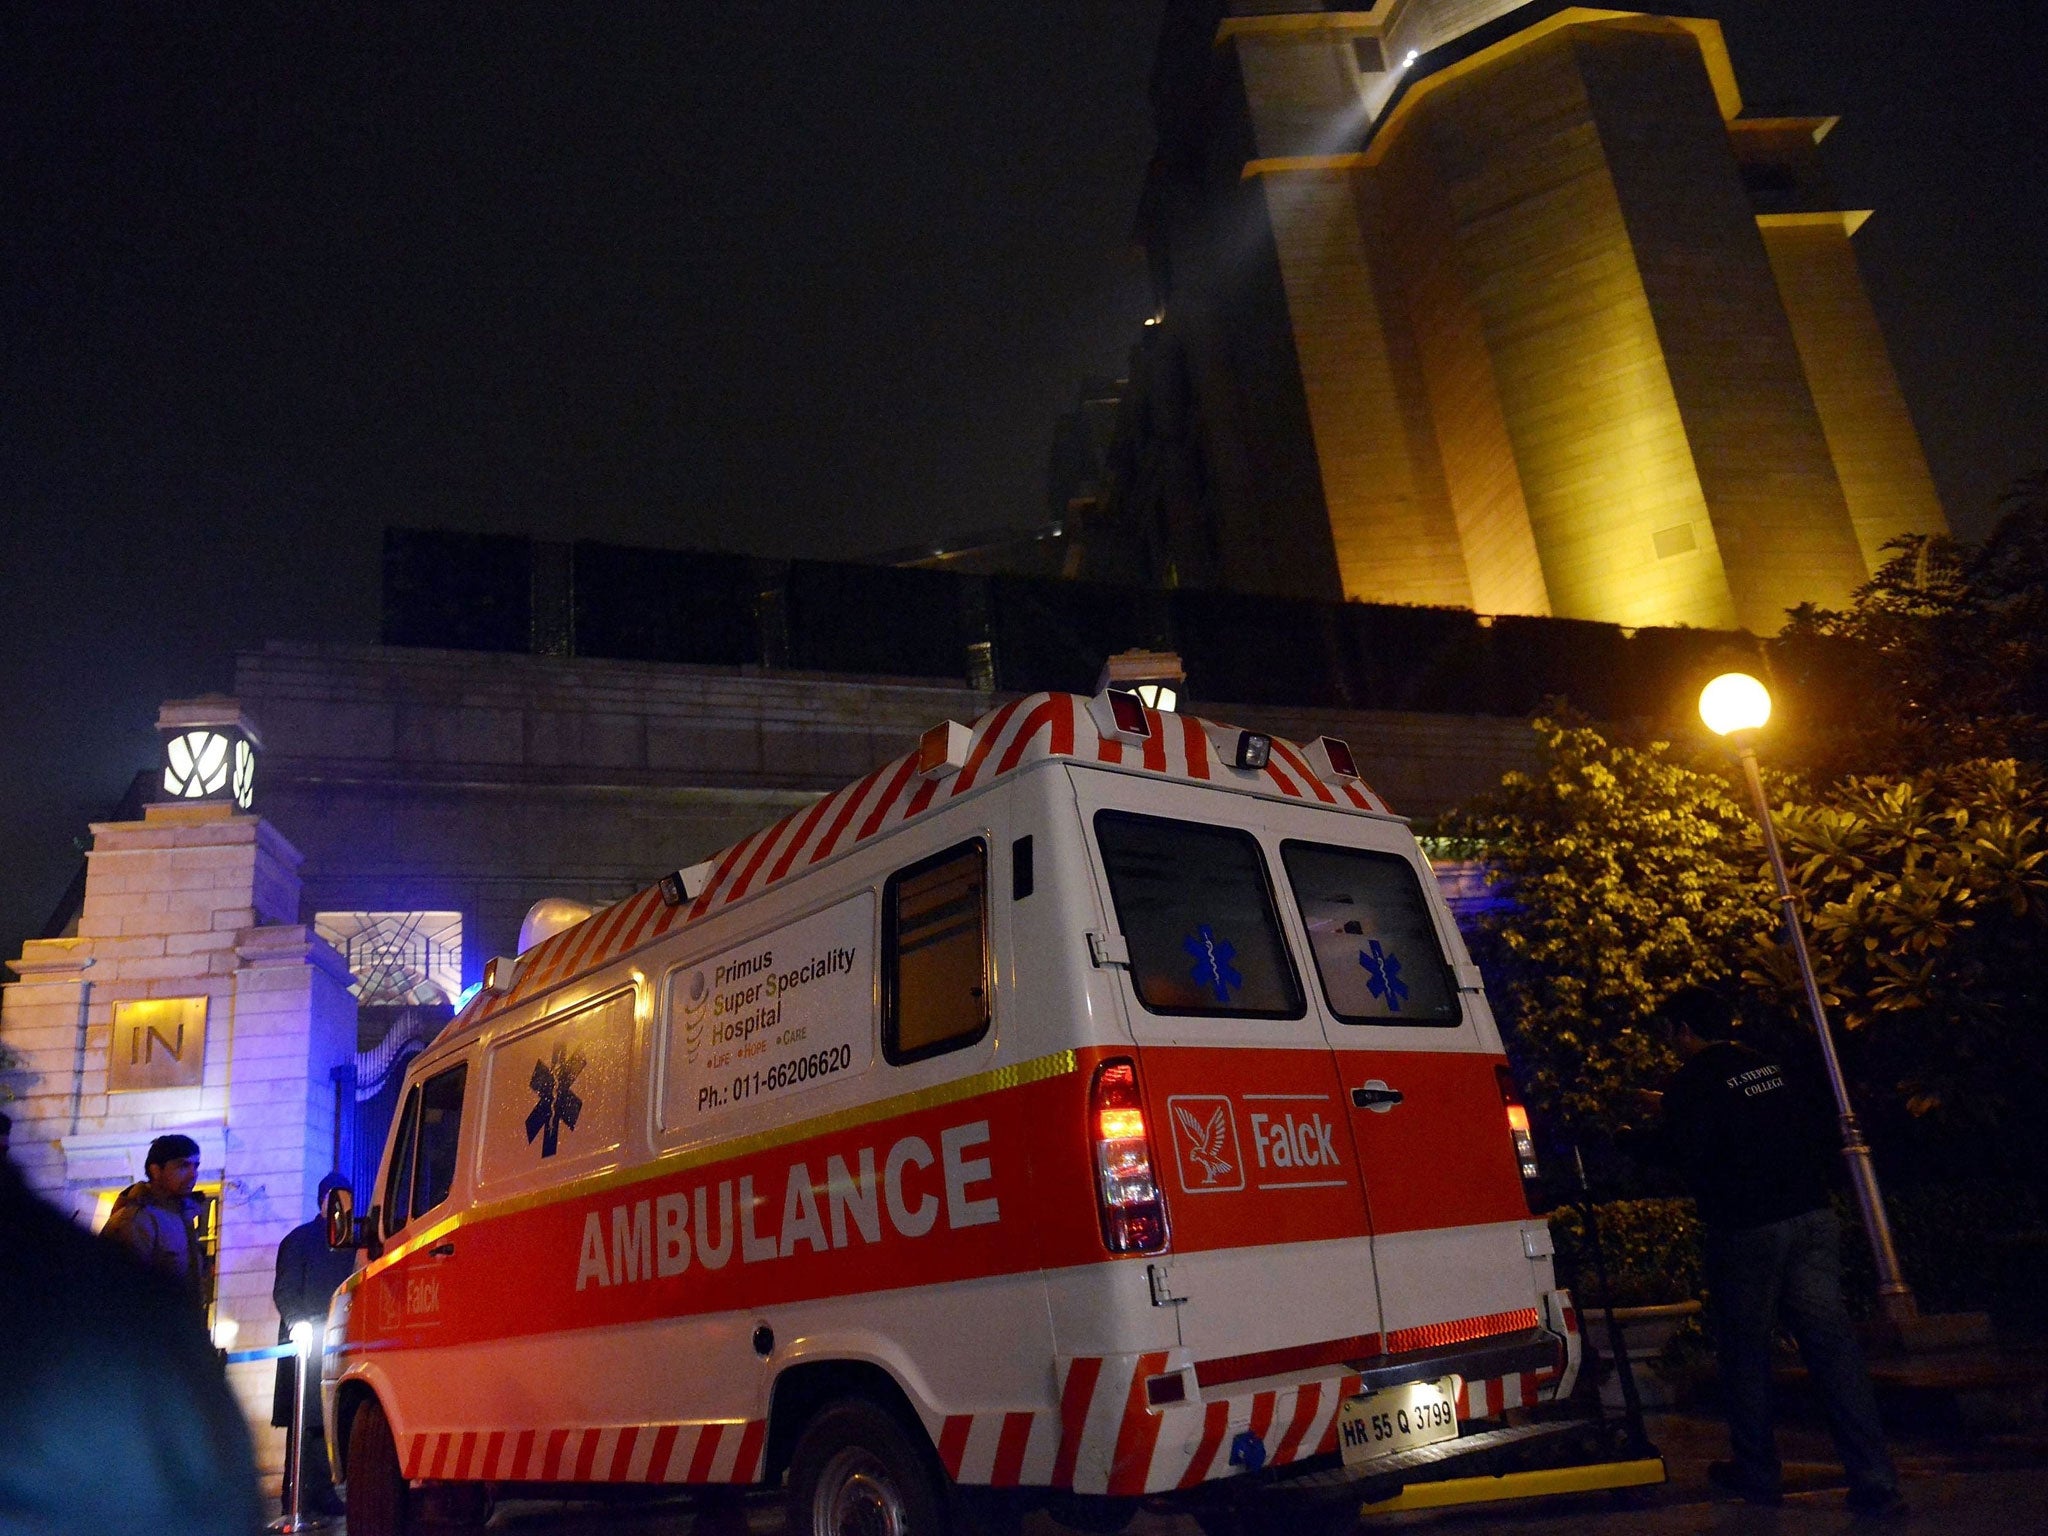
(811, 281)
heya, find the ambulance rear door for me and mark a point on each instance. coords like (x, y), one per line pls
(1419, 1065)
(1269, 1263)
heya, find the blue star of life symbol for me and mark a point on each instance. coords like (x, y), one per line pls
(1383, 975)
(1212, 957)
(557, 1104)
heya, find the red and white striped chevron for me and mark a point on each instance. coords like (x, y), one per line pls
(714, 1452)
(1107, 1440)
(1104, 1439)
(1026, 730)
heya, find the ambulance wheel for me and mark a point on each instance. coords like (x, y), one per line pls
(379, 1503)
(856, 1471)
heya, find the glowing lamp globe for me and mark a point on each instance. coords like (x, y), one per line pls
(1734, 701)
(209, 753)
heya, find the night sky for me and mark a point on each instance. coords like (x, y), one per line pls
(810, 281)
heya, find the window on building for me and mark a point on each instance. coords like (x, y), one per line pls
(935, 954)
(398, 959)
(1197, 912)
(1370, 930)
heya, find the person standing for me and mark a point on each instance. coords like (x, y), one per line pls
(114, 1412)
(1748, 1133)
(158, 1219)
(308, 1273)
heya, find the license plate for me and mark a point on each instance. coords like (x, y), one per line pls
(1397, 1419)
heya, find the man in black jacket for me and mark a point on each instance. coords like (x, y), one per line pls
(1748, 1132)
(308, 1272)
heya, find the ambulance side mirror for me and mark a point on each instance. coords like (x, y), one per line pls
(341, 1222)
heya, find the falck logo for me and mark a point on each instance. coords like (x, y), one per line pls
(1205, 1142)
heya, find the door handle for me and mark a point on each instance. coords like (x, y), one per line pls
(1376, 1096)
(442, 1251)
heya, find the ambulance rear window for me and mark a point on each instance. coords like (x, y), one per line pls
(935, 949)
(1197, 912)
(1370, 930)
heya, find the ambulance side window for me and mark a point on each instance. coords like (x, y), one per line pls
(1370, 931)
(423, 1156)
(440, 1127)
(398, 1178)
(1197, 910)
(935, 954)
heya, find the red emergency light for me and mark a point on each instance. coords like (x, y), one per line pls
(1128, 710)
(942, 750)
(1330, 757)
(1120, 713)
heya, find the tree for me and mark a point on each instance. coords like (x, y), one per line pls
(1927, 917)
(1941, 657)
(1630, 874)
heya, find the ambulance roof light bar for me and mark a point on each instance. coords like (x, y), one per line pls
(686, 884)
(1156, 677)
(942, 750)
(1246, 751)
(500, 972)
(1330, 757)
(1120, 714)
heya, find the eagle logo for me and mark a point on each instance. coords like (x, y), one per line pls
(1206, 1140)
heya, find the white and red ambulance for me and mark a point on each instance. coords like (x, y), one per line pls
(1093, 1103)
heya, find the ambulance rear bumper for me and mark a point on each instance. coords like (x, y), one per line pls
(1126, 1445)
(1547, 1444)
(1531, 1353)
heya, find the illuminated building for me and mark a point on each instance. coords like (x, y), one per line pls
(1502, 307)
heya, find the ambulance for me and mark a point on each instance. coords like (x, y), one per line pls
(1095, 1105)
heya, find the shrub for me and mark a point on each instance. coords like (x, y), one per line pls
(1652, 1248)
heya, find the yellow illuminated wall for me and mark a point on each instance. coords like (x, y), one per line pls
(1555, 358)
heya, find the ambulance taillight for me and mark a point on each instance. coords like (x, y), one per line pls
(1519, 1134)
(1133, 1209)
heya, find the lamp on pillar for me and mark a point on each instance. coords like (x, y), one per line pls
(209, 752)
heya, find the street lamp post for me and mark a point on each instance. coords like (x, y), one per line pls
(1736, 705)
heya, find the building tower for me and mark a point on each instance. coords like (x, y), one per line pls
(1503, 307)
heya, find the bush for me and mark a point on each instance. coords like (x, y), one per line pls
(1964, 1247)
(1956, 1245)
(1652, 1249)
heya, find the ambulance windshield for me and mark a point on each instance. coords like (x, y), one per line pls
(1369, 928)
(1198, 915)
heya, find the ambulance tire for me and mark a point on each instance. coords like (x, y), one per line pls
(856, 1469)
(379, 1501)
